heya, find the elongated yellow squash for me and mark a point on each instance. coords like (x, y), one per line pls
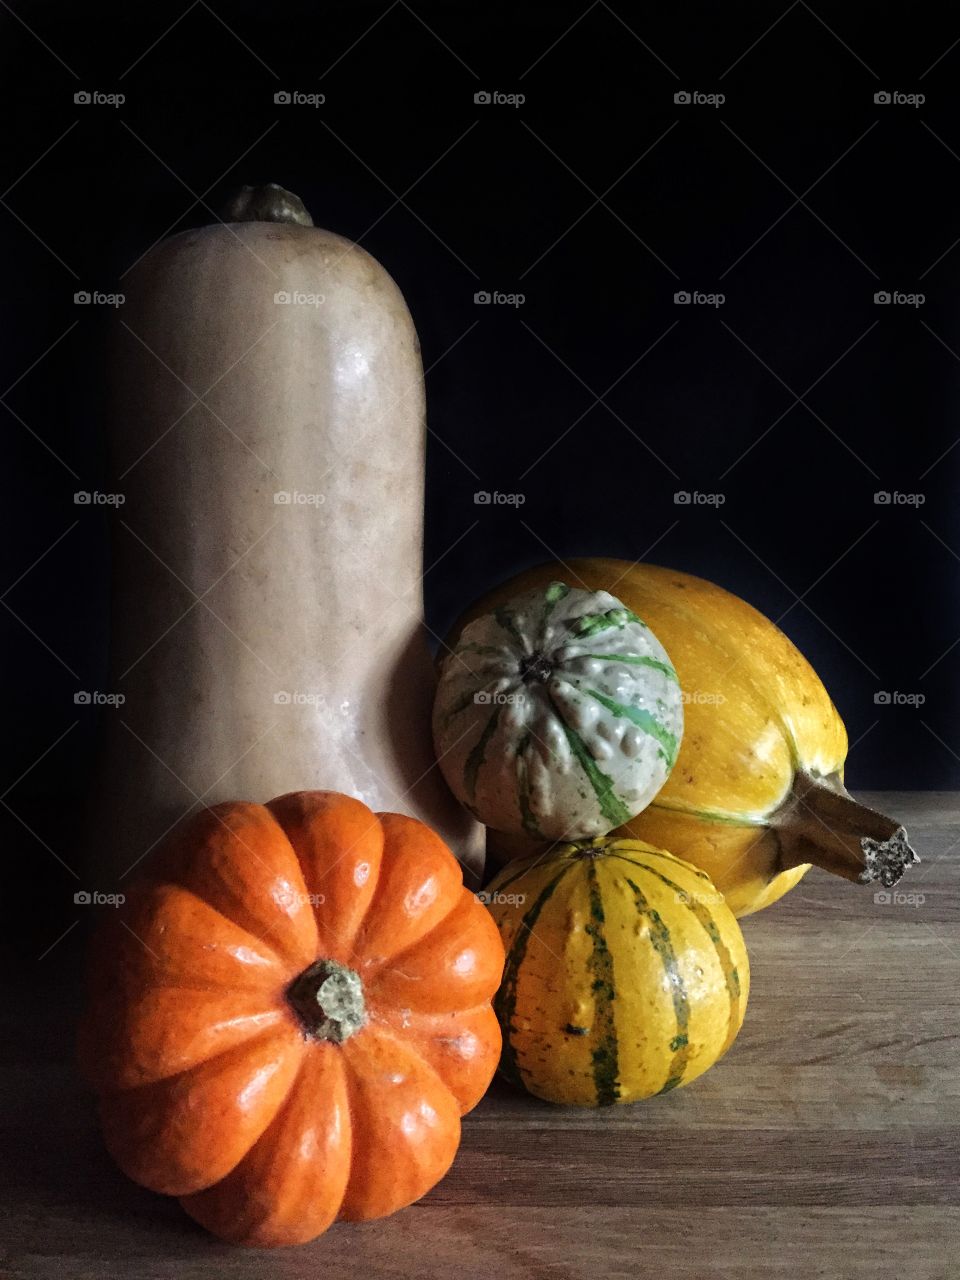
(756, 795)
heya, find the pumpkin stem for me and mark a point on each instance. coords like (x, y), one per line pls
(820, 822)
(268, 203)
(328, 999)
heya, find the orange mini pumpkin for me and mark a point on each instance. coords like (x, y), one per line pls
(288, 1020)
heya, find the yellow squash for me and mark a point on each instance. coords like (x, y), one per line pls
(756, 795)
(626, 973)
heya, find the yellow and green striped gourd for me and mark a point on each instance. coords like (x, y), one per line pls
(626, 973)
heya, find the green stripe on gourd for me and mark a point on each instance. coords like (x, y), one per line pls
(475, 759)
(505, 1001)
(527, 816)
(660, 938)
(731, 977)
(589, 624)
(635, 660)
(605, 1052)
(650, 852)
(553, 595)
(644, 720)
(499, 885)
(611, 806)
(459, 705)
(712, 815)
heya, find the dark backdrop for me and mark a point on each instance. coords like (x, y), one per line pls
(599, 397)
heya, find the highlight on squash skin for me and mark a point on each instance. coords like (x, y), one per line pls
(756, 796)
(626, 974)
(225, 1080)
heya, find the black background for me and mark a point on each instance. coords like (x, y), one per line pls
(598, 398)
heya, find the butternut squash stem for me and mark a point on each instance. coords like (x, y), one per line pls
(821, 823)
(268, 203)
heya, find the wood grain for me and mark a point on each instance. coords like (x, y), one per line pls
(826, 1143)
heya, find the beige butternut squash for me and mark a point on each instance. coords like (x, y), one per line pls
(269, 439)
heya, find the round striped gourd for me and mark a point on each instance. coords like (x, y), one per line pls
(626, 972)
(557, 715)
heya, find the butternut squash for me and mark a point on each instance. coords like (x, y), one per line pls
(269, 439)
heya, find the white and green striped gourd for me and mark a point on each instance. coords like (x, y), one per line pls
(558, 715)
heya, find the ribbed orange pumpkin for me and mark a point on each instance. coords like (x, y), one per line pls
(288, 1020)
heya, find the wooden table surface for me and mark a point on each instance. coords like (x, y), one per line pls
(825, 1144)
